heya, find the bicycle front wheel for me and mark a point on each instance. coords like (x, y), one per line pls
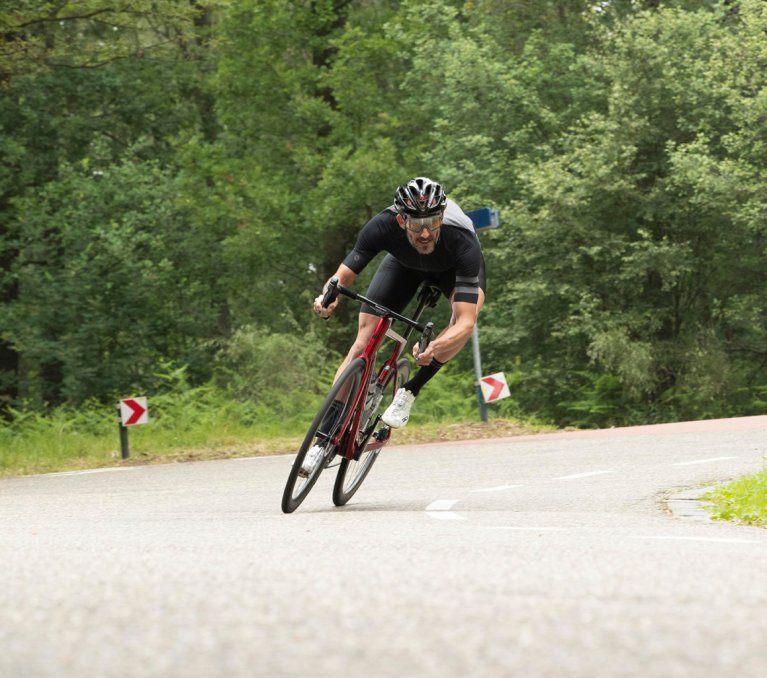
(323, 429)
(352, 472)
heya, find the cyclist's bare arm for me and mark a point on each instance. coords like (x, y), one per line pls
(346, 277)
(454, 337)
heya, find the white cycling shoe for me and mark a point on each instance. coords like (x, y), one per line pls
(313, 457)
(398, 413)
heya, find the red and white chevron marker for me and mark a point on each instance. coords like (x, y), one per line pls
(494, 387)
(134, 411)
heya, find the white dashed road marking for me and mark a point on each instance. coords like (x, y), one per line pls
(440, 509)
(442, 505)
(702, 461)
(583, 475)
(497, 489)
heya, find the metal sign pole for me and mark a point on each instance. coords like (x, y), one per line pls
(483, 219)
(478, 373)
(124, 450)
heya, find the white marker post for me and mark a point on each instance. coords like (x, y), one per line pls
(133, 412)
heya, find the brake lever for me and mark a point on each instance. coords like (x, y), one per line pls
(423, 342)
(331, 294)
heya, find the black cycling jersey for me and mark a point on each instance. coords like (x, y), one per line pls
(456, 250)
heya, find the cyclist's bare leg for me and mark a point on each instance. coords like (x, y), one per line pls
(366, 326)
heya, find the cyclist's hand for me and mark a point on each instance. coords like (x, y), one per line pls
(324, 312)
(423, 358)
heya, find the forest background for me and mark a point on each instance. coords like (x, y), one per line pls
(179, 178)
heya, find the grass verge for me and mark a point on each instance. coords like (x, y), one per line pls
(64, 442)
(208, 422)
(743, 500)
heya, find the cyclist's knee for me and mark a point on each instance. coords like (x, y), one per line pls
(365, 329)
(359, 344)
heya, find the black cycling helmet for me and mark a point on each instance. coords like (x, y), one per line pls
(420, 197)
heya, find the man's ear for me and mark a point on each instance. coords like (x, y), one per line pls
(401, 221)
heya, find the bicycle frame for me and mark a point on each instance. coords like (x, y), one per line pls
(347, 448)
(382, 330)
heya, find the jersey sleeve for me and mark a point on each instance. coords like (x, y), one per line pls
(370, 241)
(468, 271)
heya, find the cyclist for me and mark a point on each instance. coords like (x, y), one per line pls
(427, 237)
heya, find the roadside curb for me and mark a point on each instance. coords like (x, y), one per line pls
(687, 505)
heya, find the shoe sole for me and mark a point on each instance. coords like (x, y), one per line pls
(397, 425)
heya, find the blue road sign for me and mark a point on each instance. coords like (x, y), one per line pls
(485, 218)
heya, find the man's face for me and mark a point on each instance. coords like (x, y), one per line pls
(422, 234)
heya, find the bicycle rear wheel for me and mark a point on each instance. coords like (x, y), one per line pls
(344, 389)
(352, 472)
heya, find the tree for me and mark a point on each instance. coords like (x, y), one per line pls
(112, 284)
(631, 254)
(85, 34)
(83, 83)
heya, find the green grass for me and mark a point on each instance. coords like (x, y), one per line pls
(193, 423)
(198, 422)
(743, 500)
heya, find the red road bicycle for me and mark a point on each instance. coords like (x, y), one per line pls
(353, 430)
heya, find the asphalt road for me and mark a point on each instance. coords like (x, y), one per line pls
(551, 555)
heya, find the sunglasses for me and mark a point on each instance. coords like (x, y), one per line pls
(417, 225)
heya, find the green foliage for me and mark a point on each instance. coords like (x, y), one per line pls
(744, 500)
(249, 412)
(108, 286)
(449, 395)
(177, 180)
(32, 442)
(255, 365)
(39, 36)
(626, 250)
(182, 420)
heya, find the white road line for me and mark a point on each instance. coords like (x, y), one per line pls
(583, 475)
(442, 505)
(702, 461)
(715, 540)
(525, 529)
(440, 509)
(92, 470)
(497, 489)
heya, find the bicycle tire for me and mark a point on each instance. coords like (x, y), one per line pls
(297, 487)
(352, 472)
